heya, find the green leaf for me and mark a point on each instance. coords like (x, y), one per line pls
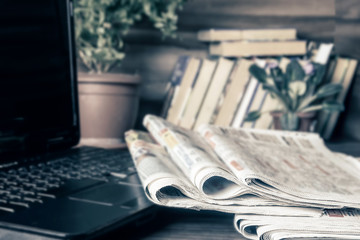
(328, 90)
(101, 42)
(294, 71)
(258, 72)
(252, 116)
(320, 71)
(278, 95)
(159, 25)
(297, 88)
(279, 78)
(100, 24)
(332, 106)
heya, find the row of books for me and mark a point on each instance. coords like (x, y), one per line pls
(221, 91)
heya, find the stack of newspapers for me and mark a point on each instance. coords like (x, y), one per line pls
(279, 185)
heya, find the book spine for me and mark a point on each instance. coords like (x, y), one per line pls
(218, 83)
(178, 105)
(346, 82)
(240, 113)
(216, 35)
(173, 85)
(264, 93)
(258, 48)
(197, 95)
(251, 102)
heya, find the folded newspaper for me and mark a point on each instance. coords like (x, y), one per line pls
(258, 175)
(333, 224)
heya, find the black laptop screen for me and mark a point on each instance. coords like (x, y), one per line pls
(37, 85)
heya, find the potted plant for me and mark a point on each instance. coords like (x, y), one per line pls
(300, 91)
(109, 101)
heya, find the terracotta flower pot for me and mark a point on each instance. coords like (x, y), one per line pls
(306, 120)
(108, 104)
(298, 122)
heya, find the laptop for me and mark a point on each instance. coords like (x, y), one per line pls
(49, 186)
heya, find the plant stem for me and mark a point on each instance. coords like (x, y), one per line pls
(312, 108)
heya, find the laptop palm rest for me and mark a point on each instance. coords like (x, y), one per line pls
(110, 194)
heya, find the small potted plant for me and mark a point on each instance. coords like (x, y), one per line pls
(108, 100)
(300, 91)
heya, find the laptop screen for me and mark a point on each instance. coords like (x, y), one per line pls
(38, 101)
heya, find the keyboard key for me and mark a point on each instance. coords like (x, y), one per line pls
(118, 174)
(12, 197)
(45, 194)
(27, 192)
(7, 208)
(33, 200)
(21, 204)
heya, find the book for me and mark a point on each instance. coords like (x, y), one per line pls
(344, 76)
(218, 82)
(243, 105)
(173, 86)
(323, 53)
(214, 35)
(337, 75)
(259, 48)
(198, 93)
(265, 120)
(237, 87)
(256, 104)
(179, 101)
(246, 100)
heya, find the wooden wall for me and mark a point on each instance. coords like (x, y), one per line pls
(347, 42)
(322, 20)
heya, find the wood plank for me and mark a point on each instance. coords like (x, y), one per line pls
(315, 28)
(347, 28)
(155, 64)
(262, 8)
(347, 38)
(347, 9)
(195, 225)
(185, 39)
(308, 28)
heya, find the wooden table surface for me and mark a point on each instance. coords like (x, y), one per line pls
(184, 224)
(190, 224)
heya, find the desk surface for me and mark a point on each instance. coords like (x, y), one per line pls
(186, 224)
(191, 224)
(170, 224)
(198, 226)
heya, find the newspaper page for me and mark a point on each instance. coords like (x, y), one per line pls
(164, 184)
(332, 224)
(195, 159)
(290, 166)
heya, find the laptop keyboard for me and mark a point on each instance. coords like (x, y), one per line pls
(59, 176)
